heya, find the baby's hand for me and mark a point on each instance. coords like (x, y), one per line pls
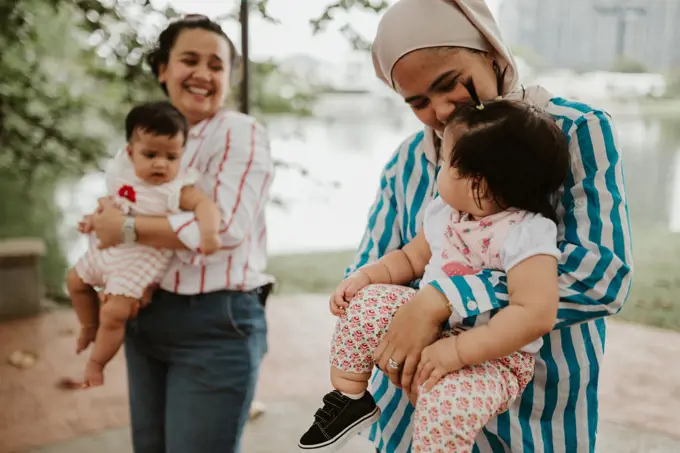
(210, 243)
(85, 225)
(438, 360)
(346, 290)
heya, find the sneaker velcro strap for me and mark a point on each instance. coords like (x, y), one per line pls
(324, 416)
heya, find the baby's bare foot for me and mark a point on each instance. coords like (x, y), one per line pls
(94, 374)
(86, 336)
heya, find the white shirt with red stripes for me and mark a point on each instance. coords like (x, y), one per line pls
(127, 269)
(231, 152)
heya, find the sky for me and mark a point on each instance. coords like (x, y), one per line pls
(293, 35)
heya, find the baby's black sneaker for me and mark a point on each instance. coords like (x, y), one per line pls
(340, 418)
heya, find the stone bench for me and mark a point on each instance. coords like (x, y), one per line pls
(21, 286)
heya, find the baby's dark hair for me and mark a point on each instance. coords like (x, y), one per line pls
(158, 118)
(513, 152)
(167, 38)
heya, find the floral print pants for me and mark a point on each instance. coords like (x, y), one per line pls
(448, 417)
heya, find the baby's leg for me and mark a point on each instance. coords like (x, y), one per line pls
(86, 305)
(449, 417)
(359, 332)
(112, 318)
(350, 408)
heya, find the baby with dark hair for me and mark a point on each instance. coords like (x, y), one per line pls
(143, 179)
(502, 164)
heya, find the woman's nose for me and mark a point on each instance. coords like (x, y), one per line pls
(202, 73)
(443, 108)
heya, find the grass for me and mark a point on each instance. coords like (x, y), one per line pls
(654, 297)
(318, 272)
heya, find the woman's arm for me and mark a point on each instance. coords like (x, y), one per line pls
(596, 265)
(382, 234)
(156, 232)
(242, 167)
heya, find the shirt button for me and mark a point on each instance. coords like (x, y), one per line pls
(472, 305)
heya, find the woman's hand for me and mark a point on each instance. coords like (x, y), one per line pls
(415, 325)
(438, 360)
(107, 223)
(346, 290)
(412, 394)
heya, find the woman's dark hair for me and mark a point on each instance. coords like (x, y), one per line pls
(158, 118)
(166, 40)
(512, 151)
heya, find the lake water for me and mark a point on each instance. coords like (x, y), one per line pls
(327, 209)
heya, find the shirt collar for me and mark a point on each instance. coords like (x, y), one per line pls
(429, 147)
(198, 129)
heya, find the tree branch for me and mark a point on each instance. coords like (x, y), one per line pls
(321, 22)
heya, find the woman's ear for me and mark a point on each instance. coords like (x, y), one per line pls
(128, 150)
(235, 70)
(162, 68)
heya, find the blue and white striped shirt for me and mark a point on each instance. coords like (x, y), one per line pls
(558, 412)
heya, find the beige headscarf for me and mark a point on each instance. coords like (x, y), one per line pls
(410, 25)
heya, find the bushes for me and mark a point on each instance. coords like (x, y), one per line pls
(31, 211)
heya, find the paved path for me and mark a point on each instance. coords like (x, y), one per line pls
(640, 387)
(276, 433)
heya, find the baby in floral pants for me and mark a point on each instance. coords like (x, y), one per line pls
(145, 179)
(483, 219)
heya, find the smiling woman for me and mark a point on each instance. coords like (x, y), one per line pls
(193, 354)
(594, 237)
(193, 67)
(433, 102)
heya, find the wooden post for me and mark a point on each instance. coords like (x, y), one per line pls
(245, 95)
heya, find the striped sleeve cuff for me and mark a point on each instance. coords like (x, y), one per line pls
(471, 295)
(185, 227)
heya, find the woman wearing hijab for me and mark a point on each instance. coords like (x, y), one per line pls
(424, 50)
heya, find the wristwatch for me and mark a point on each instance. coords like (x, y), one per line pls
(129, 233)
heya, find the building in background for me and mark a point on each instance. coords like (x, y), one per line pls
(590, 34)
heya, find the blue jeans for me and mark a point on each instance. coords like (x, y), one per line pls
(193, 363)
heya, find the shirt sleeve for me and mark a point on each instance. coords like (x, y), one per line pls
(533, 236)
(382, 234)
(242, 168)
(595, 267)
